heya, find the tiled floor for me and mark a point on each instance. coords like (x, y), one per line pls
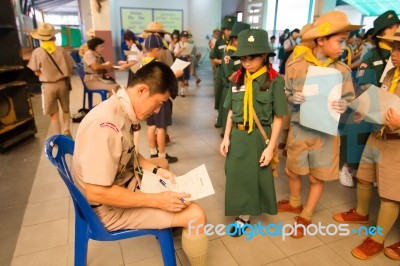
(46, 233)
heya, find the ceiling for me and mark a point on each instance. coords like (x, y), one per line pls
(56, 6)
(374, 7)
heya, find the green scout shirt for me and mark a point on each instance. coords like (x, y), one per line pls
(232, 66)
(371, 68)
(219, 48)
(267, 103)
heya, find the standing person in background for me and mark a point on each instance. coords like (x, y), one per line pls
(173, 42)
(193, 58)
(82, 50)
(311, 152)
(229, 68)
(289, 45)
(53, 66)
(282, 38)
(216, 56)
(211, 44)
(96, 68)
(135, 54)
(256, 94)
(182, 53)
(272, 44)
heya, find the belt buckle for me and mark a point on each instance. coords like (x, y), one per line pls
(241, 127)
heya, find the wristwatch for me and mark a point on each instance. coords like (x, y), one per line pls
(155, 169)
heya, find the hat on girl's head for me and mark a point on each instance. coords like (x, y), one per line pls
(393, 38)
(90, 32)
(252, 41)
(184, 34)
(44, 32)
(306, 28)
(330, 23)
(238, 27)
(153, 41)
(385, 20)
(228, 22)
(175, 32)
(155, 27)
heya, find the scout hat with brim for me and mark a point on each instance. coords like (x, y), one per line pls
(393, 38)
(385, 20)
(90, 32)
(228, 22)
(155, 27)
(330, 23)
(238, 27)
(44, 32)
(252, 41)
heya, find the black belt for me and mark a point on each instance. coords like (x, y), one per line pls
(243, 127)
(95, 206)
(391, 136)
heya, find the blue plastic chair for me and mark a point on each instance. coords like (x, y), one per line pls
(103, 93)
(87, 224)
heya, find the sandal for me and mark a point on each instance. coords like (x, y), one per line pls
(393, 251)
(237, 230)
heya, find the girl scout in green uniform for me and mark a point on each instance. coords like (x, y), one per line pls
(249, 182)
(229, 66)
(383, 166)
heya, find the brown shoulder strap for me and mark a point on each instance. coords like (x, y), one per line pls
(262, 131)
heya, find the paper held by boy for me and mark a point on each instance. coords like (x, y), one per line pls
(374, 103)
(196, 182)
(321, 86)
(179, 65)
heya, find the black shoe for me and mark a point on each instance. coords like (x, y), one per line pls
(171, 159)
(153, 155)
(237, 230)
(216, 125)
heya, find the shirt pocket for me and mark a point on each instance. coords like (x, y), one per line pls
(263, 106)
(237, 102)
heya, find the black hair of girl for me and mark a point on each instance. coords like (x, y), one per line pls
(130, 36)
(94, 42)
(265, 86)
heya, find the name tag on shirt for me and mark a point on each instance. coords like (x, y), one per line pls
(221, 47)
(237, 62)
(242, 88)
(377, 63)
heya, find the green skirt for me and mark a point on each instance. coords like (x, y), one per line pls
(250, 189)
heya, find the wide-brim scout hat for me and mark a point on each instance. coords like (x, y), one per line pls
(305, 28)
(90, 32)
(385, 20)
(330, 23)
(238, 27)
(155, 27)
(252, 41)
(44, 32)
(175, 32)
(393, 38)
(153, 41)
(228, 22)
(184, 34)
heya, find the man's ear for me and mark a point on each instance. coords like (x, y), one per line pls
(143, 89)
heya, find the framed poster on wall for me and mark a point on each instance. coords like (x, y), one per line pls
(136, 19)
(171, 19)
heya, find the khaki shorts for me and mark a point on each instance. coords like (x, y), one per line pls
(380, 162)
(312, 152)
(134, 218)
(52, 93)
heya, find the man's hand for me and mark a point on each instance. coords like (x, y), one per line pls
(224, 147)
(340, 106)
(392, 118)
(298, 98)
(171, 201)
(164, 173)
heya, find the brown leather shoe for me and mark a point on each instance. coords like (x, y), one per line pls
(367, 250)
(393, 251)
(299, 230)
(351, 216)
(284, 206)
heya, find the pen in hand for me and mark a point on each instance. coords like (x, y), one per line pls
(165, 185)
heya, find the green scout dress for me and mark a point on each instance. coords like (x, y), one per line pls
(250, 188)
(227, 69)
(217, 53)
(371, 68)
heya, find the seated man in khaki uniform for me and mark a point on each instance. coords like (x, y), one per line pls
(107, 169)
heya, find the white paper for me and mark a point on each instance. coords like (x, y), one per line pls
(196, 182)
(322, 85)
(179, 65)
(374, 103)
(127, 52)
(116, 67)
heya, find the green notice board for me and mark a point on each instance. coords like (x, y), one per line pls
(136, 19)
(171, 19)
(70, 37)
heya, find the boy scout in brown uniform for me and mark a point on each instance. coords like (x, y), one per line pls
(311, 152)
(380, 162)
(106, 166)
(53, 66)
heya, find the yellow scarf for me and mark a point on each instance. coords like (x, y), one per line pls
(299, 50)
(49, 46)
(385, 46)
(311, 58)
(147, 60)
(348, 56)
(248, 96)
(230, 47)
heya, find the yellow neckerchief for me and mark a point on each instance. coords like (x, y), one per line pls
(146, 60)
(385, 46)
(49, 46)
(393, 86)
(248, 96)
(230, 47)
(348, 56)
(311, 58)
(299, 50)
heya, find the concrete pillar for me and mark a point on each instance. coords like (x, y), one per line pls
(323, 6)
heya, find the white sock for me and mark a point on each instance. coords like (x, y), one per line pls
(245, 218)
(162, 155)
(153, 151)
